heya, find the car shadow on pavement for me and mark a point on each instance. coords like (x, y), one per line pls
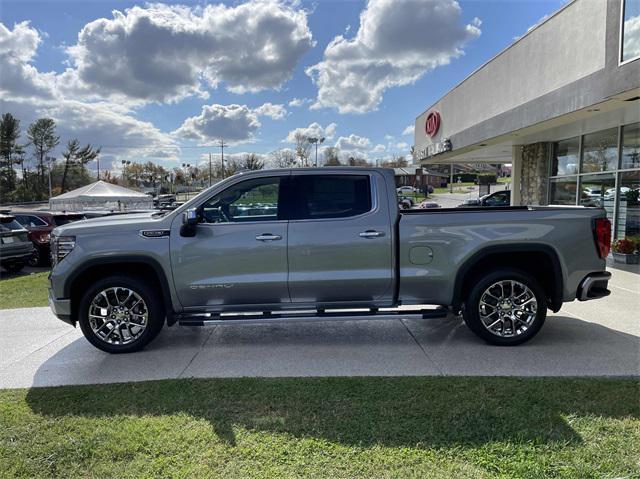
(361, 412)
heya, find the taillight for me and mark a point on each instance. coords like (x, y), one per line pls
(602, 233)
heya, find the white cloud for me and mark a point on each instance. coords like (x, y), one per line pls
(29, 94)
(314, 130)
(297, 102)
(20, 43)
(233, 123)
(275, 112)
(379, 148)
(631, 47)
(401, 145)
(166, 52)
(409, 130)
(397, 42)
(354, 144)
(102, 124)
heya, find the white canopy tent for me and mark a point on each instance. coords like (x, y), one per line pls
(101, 196)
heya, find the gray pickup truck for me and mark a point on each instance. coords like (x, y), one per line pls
(320, 244)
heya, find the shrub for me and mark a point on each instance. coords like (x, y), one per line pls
(624, 246)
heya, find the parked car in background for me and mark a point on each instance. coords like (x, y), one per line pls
(499, 198)
(39, 225)
(405, 203)
(428, 204)
(162, 201)
(15, 247)
(406, 190)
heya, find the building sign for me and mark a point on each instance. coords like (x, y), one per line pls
(433, 123)
(434, 149)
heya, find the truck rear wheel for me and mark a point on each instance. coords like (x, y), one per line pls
(120, 314)
(506, 307)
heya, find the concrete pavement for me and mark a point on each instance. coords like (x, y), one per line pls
(597, 338)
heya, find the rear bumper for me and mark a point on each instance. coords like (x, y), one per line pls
(594, 286)
(61, 308)
(22, 253)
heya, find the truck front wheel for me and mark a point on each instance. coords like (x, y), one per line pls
(505, 307)
(120, 314)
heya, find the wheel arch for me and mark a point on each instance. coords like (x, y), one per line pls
(540, 260)
(133, 265)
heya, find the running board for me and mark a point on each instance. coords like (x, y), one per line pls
(205, 319)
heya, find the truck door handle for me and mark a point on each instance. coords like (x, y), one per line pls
(268, 237)
(371, 234)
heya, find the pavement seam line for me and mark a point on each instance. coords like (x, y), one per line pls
(25, 356)
(424, 351)
(197, 352)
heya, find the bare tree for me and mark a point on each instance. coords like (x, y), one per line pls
(331, 154)
(395, 162)
(303, 147)
(283, 158)
(250, 161)
(357, 161)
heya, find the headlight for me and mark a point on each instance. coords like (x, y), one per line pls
(61, 246)
(43, 238)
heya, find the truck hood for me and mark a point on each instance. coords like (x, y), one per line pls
(127, 222)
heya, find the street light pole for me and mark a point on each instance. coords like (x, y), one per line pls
(209, 169)
(49, 158)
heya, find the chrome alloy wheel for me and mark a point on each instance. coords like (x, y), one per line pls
(508, 308)
(118, 315)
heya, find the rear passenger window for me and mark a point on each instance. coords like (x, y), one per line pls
(330, 196)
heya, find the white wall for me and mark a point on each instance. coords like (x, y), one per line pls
(565, 48)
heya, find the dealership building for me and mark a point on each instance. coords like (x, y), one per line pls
(561, 105)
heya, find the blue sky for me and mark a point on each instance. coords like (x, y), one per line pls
(77, 89)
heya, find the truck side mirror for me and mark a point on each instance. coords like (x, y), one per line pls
(189, 223)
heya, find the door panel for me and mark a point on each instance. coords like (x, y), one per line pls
(339, 259)
(239, 253)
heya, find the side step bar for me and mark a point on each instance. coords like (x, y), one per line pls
(202, 319)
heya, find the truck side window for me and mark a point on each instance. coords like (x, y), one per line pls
(330, 196)
(251, 200)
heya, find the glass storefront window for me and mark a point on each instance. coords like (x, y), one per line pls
(630, 47)
(599, 191)
(565, 157)
(600, 151)
(631, 146)
(629, 207)
(562, 191)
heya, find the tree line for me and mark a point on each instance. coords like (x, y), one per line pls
(29, 172)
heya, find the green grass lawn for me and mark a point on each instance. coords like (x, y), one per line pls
(25, 291)
(335, 427)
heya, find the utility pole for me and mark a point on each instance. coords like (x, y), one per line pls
(209, 169)
(222, 146)
(49, 159)
(451, 180)
(98, 160)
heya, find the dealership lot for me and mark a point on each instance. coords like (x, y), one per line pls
(598, 338)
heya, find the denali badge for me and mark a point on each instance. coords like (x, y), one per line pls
(211, 286)
(154, 233)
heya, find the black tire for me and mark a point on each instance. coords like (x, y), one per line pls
(471, 308)
(154, 306)
(36, 258)
(14, 267)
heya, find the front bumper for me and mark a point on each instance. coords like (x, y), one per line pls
(594, 286)
(61, 308)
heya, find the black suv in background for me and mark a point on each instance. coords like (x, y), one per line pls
(499, 198)
(15, 248)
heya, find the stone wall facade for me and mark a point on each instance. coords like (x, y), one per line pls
(534, 179)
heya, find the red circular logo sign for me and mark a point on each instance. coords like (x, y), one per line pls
(433, 123)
